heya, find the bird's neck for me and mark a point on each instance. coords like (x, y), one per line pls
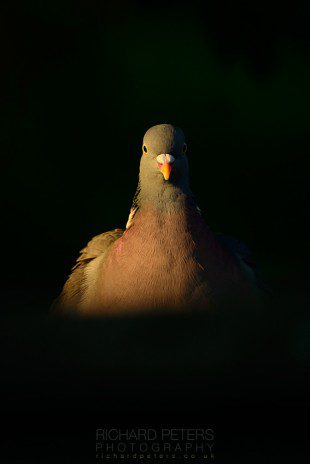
(164, 197)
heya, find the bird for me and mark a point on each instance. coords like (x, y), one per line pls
(167, 257)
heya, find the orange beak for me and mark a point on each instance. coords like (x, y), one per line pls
(166, 170)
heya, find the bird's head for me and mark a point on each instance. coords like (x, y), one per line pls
(164, 157)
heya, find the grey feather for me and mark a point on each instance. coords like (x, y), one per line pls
(246, 259)
(74, 287)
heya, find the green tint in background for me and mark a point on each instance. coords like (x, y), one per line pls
(82, 81)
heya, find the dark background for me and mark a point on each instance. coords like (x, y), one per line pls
(80, 84)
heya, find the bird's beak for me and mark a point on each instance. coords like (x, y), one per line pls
(165, 162)
(166, 170)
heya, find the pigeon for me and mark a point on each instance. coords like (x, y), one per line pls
(166, 258)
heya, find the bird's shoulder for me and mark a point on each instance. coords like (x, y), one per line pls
(242, 254)
(96, 246)
(74, 287)
(238, 248)
(246, 259)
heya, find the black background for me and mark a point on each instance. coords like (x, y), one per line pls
(80, 84)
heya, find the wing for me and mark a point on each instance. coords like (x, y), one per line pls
(246, 260)
(238, 248)
(74, 287)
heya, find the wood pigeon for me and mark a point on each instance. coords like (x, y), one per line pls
(167, 256)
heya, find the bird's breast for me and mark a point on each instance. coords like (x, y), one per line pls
(158, 262)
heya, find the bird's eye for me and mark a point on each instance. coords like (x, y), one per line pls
(184, 148)
(144, 149)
